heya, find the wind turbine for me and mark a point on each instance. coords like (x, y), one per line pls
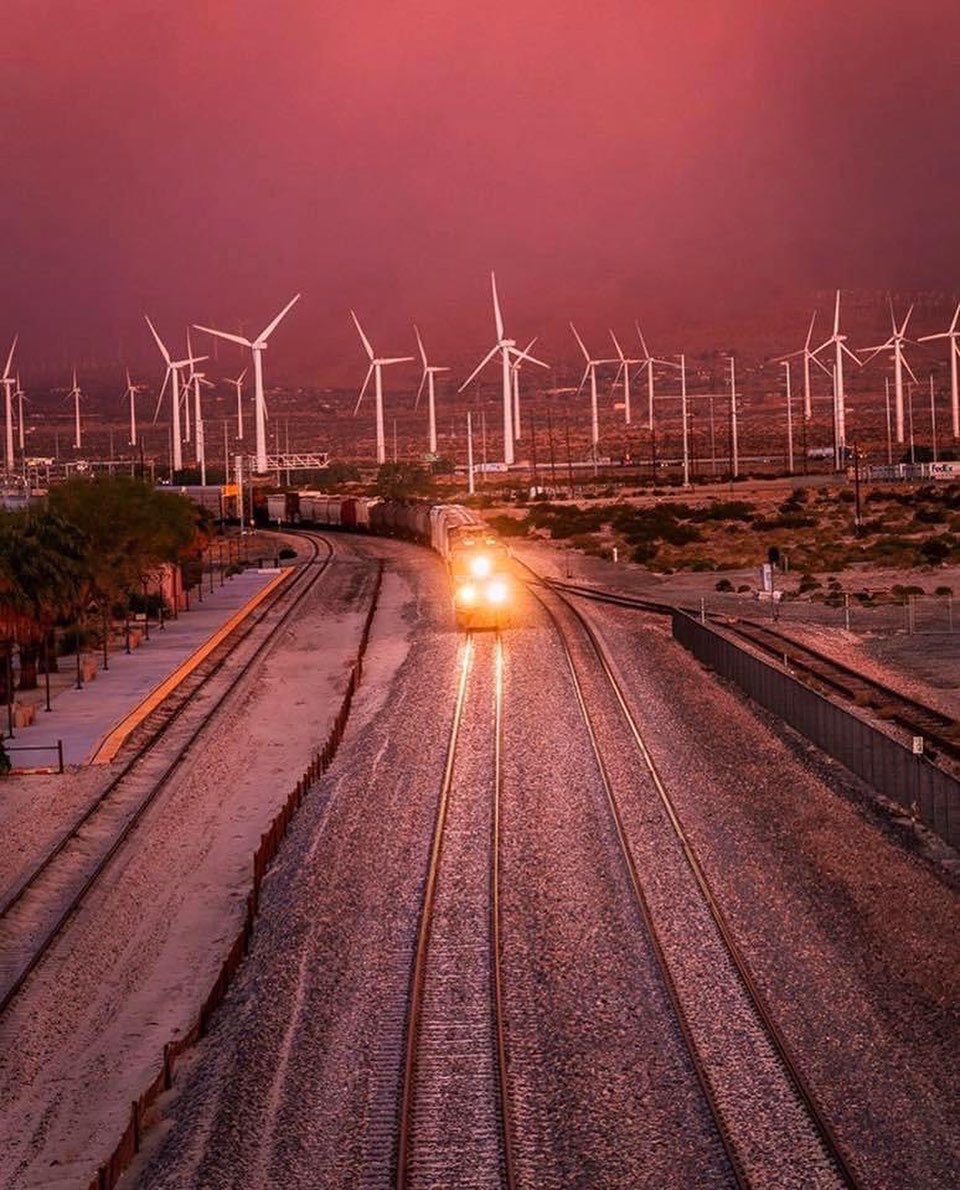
(238, 383)
(21, 397)
(808, 358)
(515, 376)
(429, 371)
(895, 342)
(376, 366)
(8, 386)
(838, 342)
(173, 375)
(257, 346)
(625, 369)
(953, 334)
(647, 362)
(194, 381)
(131, 394)
(590, 372)
(506, 347)
(76, 394)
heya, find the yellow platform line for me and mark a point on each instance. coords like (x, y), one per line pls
(109, 745)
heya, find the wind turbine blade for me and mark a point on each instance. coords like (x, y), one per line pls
(821, 365)
(479, 368)
(953, 325)
(366, 341)
(856, 359)
(276, 322)
(223, 335)
(364, 389)
(836, 316)
(909, 369)
(397, 359)
(903, 328)
(928, 338)
(616, 379)
(163, 350)
(643, 343)
(163, 389)
(619, 349)
(806, 345)
(13, 347)
(423, 354)
(423, 381)
(240, 378)
(586, 375)
(496, 305)
(586, 354)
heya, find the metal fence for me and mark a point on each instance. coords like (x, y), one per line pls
(918, 614)
(912, 781)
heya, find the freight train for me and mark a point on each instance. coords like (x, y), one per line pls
(478, 563)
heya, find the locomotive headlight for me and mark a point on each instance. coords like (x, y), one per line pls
(467, 593)
(496, 591)
(480, 566)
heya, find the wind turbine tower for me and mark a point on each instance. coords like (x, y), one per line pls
(238, 383)
(21, 397)
(808, 358)
(75, 393)
(9, 383)
(953, 334)
(429, 371)
(377, 364)
(258, 346)
(131, 393)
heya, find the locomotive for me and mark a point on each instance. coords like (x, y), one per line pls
(477, 561)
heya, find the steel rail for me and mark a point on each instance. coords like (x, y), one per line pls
(828, 1139)
(295, 596)
(418, 975)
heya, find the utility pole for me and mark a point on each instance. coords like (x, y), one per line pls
(786, 365)
(858, 523)
(734, 445)
(683, 416)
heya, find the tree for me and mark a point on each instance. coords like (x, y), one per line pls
(399, 481)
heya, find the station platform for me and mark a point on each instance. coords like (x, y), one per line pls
(88, 724)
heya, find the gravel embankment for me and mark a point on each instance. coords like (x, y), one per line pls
(853, 939)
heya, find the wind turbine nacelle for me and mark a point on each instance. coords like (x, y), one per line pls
(508, 343)
(260, 345)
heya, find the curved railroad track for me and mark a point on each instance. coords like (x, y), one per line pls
(830, 677)
(747, 1061)
(454, 1032)
(35, 912)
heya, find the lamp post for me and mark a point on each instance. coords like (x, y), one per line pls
(146, 611)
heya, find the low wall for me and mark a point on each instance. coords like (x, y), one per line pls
(925, 791)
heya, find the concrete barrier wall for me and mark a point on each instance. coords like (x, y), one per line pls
(913, 782)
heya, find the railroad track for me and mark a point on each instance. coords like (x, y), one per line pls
(745, 1059)
(37, 910)
(455, 1045)
(941, 732)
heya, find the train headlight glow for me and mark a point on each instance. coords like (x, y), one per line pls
(496, 591)
(467, 593)
(480, 566)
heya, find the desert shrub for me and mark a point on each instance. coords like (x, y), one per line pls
(936, 550)
(725, 510)
(845, 496)
(743, 588)
(928, 516)
(699, 565)
(286, 553)
(724, 584)
(808, 582)
(788, 521)
(643, 552)
(902, 590)
(943, 590)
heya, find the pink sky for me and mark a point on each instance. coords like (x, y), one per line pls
(681, 162)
